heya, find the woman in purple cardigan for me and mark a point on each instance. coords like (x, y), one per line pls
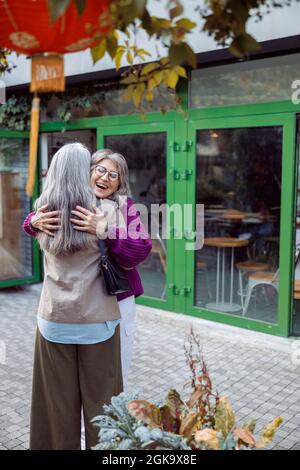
(128, 245)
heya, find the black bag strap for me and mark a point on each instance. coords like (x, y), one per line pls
(102, 247)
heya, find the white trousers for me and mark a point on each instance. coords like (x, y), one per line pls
(127, 329)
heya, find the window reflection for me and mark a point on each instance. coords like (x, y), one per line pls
(239, 183)
(296, 290)
(96, 99)
(146, 158)
(15, 246)
(252, 81)
(51, 142)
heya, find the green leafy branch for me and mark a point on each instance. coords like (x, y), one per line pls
(5, 65)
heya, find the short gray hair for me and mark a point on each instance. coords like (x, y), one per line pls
(120, 161)
(67, 185)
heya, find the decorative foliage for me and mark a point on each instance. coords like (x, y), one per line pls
(86, 101)
(102, 99)
(15, 113)
(116, 36)
(79, 103)
(120, 430)
(226, 21)
(205, 421)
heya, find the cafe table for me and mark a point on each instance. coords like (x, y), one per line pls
(223, 243)
(234, 215)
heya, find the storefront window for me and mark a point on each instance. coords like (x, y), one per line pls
(239, 183)
(257, 81)
(97, 99)
(146, 158)
(296, 290)
(15, 246)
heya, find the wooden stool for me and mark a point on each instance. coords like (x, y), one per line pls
(223, 243)
(262, 276)
(250, 266)
(201, 265)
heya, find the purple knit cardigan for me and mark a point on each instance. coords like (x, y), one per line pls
(125, 248)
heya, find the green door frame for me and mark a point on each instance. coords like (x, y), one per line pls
(287, 121)
(36, 265)
(293, 329)
(175, 124)
(183, 159)
(152, 125)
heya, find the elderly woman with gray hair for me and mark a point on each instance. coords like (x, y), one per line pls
(109, 180)
(77, 364)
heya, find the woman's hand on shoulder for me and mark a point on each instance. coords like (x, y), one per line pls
(94, 222)
(47, 222)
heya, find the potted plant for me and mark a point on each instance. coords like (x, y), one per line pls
(205, 421)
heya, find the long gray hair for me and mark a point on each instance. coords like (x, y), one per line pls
(67, 185)
(119, 160)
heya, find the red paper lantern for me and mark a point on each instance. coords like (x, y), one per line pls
(26, 26)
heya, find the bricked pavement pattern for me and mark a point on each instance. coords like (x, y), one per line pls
(254, 370)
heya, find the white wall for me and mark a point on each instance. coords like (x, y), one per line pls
(282, 22)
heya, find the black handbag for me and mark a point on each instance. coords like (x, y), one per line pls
(115, 278)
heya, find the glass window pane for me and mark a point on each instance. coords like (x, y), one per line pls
(239, 183)
(146, 158)
(296, 310)
(255, 81)
(51, 142)
(15, 245)
(97, 99)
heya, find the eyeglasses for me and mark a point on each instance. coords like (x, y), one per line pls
(101, 171)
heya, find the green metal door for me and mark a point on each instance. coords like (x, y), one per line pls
(147, 147)
(19, 254)
(239, 163)
(242, 171)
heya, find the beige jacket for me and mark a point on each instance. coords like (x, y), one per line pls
(73, 289)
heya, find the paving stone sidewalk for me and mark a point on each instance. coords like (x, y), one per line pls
(255, 371)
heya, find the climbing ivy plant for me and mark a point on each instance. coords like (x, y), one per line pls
(15, 113)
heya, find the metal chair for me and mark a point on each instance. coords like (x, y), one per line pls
(265, 278)
(248, 267)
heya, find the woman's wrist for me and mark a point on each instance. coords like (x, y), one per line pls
(31, 223)
(32, 226)
(102, 227)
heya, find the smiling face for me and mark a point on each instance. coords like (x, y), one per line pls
(102, 186)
